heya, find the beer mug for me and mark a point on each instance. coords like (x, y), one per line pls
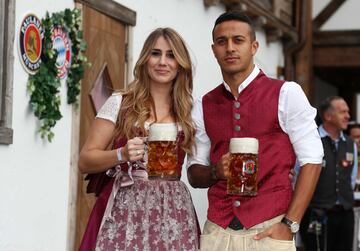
(162, 151)
(243, 166)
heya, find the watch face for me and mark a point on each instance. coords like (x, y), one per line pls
(294, 227)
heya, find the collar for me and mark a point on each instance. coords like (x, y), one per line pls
(323, 133)
(246, 82)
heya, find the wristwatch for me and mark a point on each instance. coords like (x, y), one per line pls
(293, 225)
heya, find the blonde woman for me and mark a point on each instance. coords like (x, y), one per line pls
(143, 214)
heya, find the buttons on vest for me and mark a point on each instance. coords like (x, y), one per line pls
(337, 180)
(236, 115)
(237, 203)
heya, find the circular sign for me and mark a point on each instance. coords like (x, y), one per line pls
(30, 43)
(62, 44)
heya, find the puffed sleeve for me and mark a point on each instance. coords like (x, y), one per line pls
(110, 109)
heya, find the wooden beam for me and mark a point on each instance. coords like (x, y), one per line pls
(303, 58)
(326, 13)
(255, 9)
(338, 37)
(335, 56)
(273, 35)
(112, 9)
(283, 9)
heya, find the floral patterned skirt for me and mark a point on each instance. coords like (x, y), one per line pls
(150, 215)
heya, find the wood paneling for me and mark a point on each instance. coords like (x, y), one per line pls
(105, 37)
(337, 38)
(283, 9)
(254, 9)
(334, 56)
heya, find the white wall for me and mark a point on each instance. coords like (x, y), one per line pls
(345, 18)
(34, 174)
(194, 22)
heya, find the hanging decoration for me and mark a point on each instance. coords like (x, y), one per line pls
(30, 43)
(62, 57)
(62, 45)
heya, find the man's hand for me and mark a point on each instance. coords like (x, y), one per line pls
(278, 231)
(292, 174)
(222, 167)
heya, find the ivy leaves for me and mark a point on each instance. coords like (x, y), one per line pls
(44, 86)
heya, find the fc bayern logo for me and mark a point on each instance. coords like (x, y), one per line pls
(62, 44)
(30, 43)
(250, 166)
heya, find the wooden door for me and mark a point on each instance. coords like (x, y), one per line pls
(105, 38)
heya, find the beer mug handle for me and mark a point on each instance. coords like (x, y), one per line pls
(140, 163)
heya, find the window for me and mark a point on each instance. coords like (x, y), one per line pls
(7, 23)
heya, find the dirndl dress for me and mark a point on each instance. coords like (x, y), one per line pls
(149, 215)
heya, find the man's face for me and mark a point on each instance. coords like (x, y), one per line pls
(355, 135)
(339, 115)
(234, 47)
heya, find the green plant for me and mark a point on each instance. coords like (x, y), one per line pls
(44, 86)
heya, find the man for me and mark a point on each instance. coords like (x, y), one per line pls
(353, 131)
(328, 223)
(277, 113)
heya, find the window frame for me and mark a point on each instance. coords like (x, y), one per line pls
(7, 34)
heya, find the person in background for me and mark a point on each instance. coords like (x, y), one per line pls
(278, 114)
(143, 214)
(353, 131)
(328, 223)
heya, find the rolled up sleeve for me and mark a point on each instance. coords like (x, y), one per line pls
(297, 119)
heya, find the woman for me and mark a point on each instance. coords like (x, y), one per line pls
(144, 214)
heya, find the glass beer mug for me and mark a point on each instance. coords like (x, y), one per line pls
(243, 166)
(162, 151)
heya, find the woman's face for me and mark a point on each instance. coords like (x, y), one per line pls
(162, 65)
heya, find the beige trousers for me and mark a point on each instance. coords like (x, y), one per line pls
(215, 238)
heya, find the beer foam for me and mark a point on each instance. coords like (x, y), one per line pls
(244, 145)
(162, 132)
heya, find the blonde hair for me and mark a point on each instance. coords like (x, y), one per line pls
(137, 101)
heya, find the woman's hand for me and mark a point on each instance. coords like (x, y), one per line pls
(134, 149)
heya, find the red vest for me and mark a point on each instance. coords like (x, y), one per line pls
(258, 118)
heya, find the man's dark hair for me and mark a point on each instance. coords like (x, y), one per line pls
(237, 16)
(326, 105)
(352, 125)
